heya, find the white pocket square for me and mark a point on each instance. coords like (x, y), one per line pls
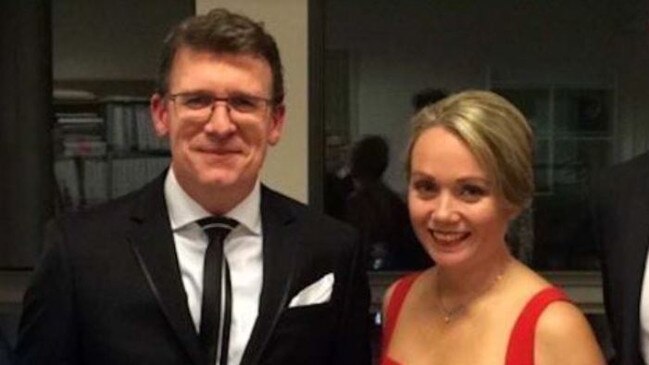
(316, 293)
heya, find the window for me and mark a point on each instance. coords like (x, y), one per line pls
(573, 126)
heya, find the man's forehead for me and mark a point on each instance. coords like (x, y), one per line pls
(241, 62)
(215, 54)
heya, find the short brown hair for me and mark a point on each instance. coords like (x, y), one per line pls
(221, 31)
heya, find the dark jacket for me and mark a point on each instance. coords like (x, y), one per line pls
(620, 224)
(109, 290)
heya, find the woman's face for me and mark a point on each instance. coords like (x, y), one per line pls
(456, 212)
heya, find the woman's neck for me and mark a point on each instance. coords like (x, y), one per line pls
(457, 287)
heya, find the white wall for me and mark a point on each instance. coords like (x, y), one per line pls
(286, 168)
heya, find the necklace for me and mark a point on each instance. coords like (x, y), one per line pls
(449, 314)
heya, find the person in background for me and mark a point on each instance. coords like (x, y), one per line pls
(338, 183)
(620, 228)
(204, 265)
(379, 214)
(469, 174)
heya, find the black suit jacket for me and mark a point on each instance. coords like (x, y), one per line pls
(109, 290)
(620, 212)
(6, 355)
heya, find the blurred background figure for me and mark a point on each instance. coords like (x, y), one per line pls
(338, 183)
(379, 213)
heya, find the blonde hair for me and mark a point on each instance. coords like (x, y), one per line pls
(495, 131)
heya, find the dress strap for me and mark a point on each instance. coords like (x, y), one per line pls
(520, 350)
(394, 307)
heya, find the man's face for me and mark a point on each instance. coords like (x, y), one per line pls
(218, 144)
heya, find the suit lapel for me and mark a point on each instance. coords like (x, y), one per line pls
(153, 245)
(633, 255)
(279, 251)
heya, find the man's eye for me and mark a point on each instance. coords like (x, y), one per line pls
(198, 101)
(242, 103)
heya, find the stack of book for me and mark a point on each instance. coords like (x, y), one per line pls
(129, 126)
(80, 135)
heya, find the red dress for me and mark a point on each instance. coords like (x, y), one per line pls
(520, 350)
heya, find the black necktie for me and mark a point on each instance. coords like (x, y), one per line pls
(214, 270)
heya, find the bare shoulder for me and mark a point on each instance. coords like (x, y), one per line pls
(529, 278)
(387, 296)
(564, 336)
(524, 283)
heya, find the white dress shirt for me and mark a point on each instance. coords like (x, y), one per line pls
(242, 248)
(644, 314)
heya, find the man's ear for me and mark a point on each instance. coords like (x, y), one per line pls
(159, 114)
(276, 126)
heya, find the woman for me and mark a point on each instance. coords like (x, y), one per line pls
(470, 173)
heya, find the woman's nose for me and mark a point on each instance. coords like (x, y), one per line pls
(444, 209)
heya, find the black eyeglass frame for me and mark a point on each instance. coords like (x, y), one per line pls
(241, 103)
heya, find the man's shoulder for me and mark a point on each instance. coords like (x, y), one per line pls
(622, 176)
(115, 211)
(639, 163)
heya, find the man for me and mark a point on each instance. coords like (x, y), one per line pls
(620, 222)
(132, 281)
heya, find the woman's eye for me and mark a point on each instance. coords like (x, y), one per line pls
(472, 192)
(424, 187)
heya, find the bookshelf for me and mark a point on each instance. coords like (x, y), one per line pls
(104, 147)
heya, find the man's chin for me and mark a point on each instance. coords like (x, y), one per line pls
(220, 180)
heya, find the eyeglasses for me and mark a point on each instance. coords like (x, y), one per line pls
(200, 106)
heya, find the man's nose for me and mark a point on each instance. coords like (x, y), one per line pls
(220, 121)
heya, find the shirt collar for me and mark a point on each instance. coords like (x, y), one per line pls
(183, 210)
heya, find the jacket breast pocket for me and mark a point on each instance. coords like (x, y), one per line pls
(313, 319)
(303, 335)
